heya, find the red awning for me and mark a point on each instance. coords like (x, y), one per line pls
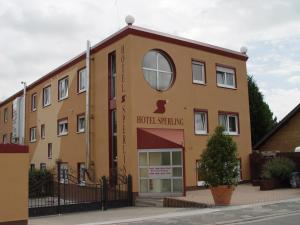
(159, 138)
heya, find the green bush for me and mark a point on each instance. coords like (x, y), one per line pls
(278, 168)
(219, 163)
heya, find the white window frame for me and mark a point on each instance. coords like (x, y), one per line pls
(33, 102)
(81, 174)
(226, 129)
(32, 132)
(202, 64)
(206, 122)
(65, 128)
(43, 131)
(79, 128)
(46, 90)
(226, 71)
(63, 173)
(49, 150)
(61, 84)
(81, 73)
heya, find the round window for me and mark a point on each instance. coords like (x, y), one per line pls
(158, 70)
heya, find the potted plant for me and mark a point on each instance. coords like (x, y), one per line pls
(219, 166)
(276, 173)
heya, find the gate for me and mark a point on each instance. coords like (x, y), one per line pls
(58, 194)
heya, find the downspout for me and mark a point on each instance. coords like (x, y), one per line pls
(22, 140)
(87, 108)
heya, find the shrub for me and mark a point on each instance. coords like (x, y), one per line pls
(219, 163)
(278, 168)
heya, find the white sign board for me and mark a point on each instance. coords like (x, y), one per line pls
(159, 172)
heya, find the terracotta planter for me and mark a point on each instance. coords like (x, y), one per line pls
(222, 194)
(266, 185)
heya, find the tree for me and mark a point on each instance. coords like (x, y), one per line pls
(219, 163)
(261, 116)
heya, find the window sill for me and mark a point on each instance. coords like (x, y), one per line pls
(201, 134)
(32, 141)
(199, 83)
(232, 134)
(63, 99)
(80, 92)
(80, 132)
(33, 110)
(226, 87)
(61, 135)
(44, 106)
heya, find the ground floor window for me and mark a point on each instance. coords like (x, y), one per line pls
(160, 171)
(200, 181)
(63, 173)
(81, 174)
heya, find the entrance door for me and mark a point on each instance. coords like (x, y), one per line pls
(160, 172)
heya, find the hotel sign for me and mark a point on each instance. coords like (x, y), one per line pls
(159, 172)
(152, 120)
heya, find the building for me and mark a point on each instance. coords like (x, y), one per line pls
(285, 136)
(154, 99)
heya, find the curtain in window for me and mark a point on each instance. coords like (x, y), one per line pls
(197, 72)
(83, 79)
(223, 121)
(200, 119)
(63, 88)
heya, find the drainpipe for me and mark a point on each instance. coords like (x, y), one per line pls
(22, 140)
(87, 108)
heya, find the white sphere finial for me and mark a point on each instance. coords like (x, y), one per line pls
(129, 20)
(243, 50)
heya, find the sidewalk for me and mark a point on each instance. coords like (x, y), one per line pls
(244, 194)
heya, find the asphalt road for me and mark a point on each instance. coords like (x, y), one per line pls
(287, 213)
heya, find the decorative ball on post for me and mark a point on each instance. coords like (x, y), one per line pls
(243, 50)
(129, 20)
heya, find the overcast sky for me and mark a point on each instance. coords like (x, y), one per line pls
(37, 36)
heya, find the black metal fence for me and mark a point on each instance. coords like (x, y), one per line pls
(62, 193)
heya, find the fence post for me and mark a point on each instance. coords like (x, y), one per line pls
(58, 186)
(129, 190)
(104, 193)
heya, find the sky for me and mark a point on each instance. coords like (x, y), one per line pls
(38, 36)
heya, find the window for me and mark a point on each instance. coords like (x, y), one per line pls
(226, 77)
(80, 123)
(158, 70)
(201, 122)
(4, 139)
(5, 115)
(63, 173)
(33, 102)
(113, 74)
(32, 167)
(200, 181)
(82, 80)
(43, 131)
(49, 150)
(46, 96)
(81, 174)
(33, 134)
(198, 72)
(230, 123)
(63, 88)
(114, 140)
(62, 127)
(43, 166)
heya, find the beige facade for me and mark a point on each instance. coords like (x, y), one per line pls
(135, 104)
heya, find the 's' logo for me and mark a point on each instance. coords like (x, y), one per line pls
(160, 106)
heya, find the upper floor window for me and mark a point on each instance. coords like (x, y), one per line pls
(82, 80)
(80, 123)
(4, 139)
(5, 115)
(63, 88)
(49, 150)
(229, 121)
(158, 70)
(33, 102)
(62, 127)
(226, 77)
(198, 72)
(32, 134)
(113, 74)
(46, 96)
(201, 124)
(43, 131)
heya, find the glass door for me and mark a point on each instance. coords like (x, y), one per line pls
(160, 171)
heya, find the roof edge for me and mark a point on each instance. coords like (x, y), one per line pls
(138, 31)
(277, 127)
